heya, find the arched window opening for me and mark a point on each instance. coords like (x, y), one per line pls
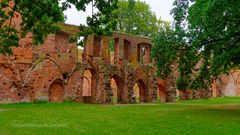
(117, 89)
(139, 91)
(144, 53)
(56, 91)
(127, 49)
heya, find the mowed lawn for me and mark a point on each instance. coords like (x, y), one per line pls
(219, 116)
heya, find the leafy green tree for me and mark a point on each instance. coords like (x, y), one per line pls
(38, 17)
(164, 41)
(204, 42)
(136, 17)
(41, 17)
(102, 22)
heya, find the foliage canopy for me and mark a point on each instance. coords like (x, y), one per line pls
(37, 16)
(136, 17)
(204, 43)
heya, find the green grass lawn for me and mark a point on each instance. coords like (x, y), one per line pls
(219, 116)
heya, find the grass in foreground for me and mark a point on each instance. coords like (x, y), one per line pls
(215, 116)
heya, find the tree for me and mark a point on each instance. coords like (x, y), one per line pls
(40, 17)
(204, 44)
(37, 17)
(102, 22)
(136, 17)
(164, 41)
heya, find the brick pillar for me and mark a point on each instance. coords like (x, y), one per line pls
(79, 91)
(128, 85)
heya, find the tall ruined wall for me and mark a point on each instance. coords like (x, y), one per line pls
(55, 72)
(123, 65)
(228, 85)
(29, 72)
(58, 71)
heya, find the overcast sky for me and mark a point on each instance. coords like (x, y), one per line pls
(160, 7)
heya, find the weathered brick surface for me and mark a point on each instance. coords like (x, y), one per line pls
(55, 71)
(126, 68)
(227, 85)
(29, 73)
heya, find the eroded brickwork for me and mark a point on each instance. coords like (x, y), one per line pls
(58, 71)
(29, 73)
(124, 65)
(227, 85)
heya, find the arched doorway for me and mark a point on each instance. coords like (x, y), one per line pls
(139, 91)
(162, 93)
(87, 83)
(86, 87)
(56, 91)
(117, 88)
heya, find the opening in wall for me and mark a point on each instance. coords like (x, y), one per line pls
(127, 49)
(144, 53)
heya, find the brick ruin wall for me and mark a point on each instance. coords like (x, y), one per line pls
(53, 72)
(58, 71)
(31, 72)
(227, 85)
